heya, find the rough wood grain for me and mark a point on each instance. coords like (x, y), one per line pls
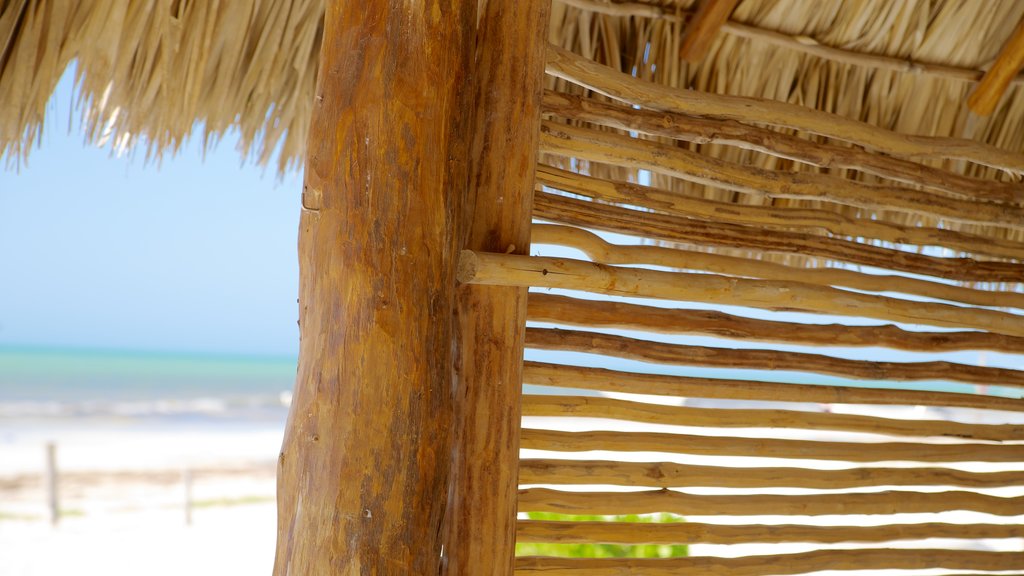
(620, 315)
(654, 501)
(600, 407)
(703, 27)
(560, 441)
(363, 471)
(811, 220)
(997, 79)
(515, 270)
(574, 68)
(637, 153)
(759, 359)
(698, 533)
(509, 74)
(543, 374)
(775, 564)
(672, 475)
(756, 240)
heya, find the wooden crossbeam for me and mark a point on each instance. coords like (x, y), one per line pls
(993, 85)
(635, 153)
(703, 27)
(623, 316)
(673, 475)
(571, 274)
(614, 409)
(653, 501)
(731, 133)
(562, 376)
(760, 359)
(775, 564)
(702, 445)
(695, 532)
(813, 220)
(573, 68)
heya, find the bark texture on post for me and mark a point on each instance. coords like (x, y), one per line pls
(364, 469)
(509, 86)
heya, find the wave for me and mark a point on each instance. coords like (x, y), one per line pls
(233, 406)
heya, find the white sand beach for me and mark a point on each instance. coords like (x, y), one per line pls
(122, 499)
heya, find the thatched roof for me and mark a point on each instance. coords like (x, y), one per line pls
(150, 73)
(149, 70)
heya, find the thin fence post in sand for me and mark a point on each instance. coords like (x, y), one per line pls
(186, 478)
(52, 498)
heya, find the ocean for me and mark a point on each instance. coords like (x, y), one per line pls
(171, 389)
(168, 388)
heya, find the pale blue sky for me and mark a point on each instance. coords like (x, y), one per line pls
(97, 251)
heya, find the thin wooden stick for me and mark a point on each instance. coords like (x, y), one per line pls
(560, 441)
(802, 44)
(754, 359)
(620, 315)
(695, 532)
(638, 153)
(731, 133)
(782, 217)
(775, 564)
(755, 241)
(703, 27)
(573, 68)
(555, 207)
(652, 501)
(610, 408)
(543, 374)
(515, 270)
(993, 85)
(673, 475)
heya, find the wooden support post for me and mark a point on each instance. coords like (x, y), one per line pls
(52, 483)
(186, 480)
(510, 73)
(702, 28)
(363, 475)
(994, 83)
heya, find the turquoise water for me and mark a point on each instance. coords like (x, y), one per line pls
(67, 383)
(38, 382)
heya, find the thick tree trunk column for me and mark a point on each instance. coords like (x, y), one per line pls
(363, 475)
(509, 85)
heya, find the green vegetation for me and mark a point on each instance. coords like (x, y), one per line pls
(602, 550)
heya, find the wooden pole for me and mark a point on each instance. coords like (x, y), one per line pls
(564, 376)
(774, 564)
(673, 475)
(731, 133)
(641, 154)
(694, 532)
(610, 408)
(653, 501)
(52, 483)
(363, 474)
(987, 93)
(604, 80)
(620, 315)
(186, 480)
(571, 274)
(694, 205)
(703, 27)
(509, 84)
(763, 359)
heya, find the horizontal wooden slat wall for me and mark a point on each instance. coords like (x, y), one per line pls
(832, 378)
